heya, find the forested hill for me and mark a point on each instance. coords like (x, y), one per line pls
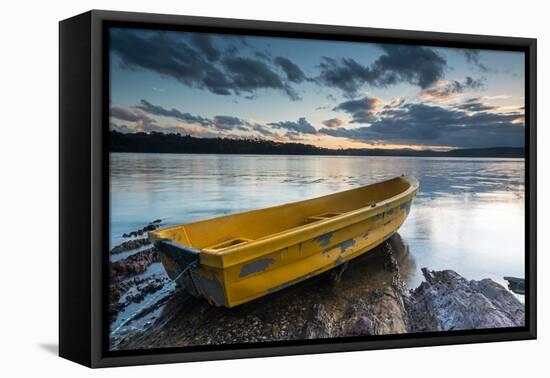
(174, 143)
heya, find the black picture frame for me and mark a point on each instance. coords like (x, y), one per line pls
(84, 191)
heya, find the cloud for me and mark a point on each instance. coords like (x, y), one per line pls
(301, 126)
(292, 71)
(136, 116)
(334, 122)
(293, 136)
(155, 128)
(362, 110)
(476, 105)
(217, 126)
(204, 43)
(227, 122)
(124, 114)
(446, 90)
(473, 57)
(416, 65)
(169, 56)
(421, 124)
(172, 113)
(248, 75)
(261, 129)
(394, 103)
(125, 129)
(345, 74)
(199, 63)
(220, 122)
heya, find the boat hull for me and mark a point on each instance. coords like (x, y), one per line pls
(250, 269)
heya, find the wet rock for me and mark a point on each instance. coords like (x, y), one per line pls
(336, 273)
(117, 289)
(142, 287)
(151, 226)
(367, 296)
(115, 309)
(447, 301)
(517, 285)
(132, 265)
(151, 287)
(382, 314)
(390, 263)
(129, 245)
(322, 324)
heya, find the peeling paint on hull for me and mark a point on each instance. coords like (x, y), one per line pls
(255, 267)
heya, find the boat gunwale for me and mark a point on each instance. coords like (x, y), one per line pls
(347, 218)
(307, 231)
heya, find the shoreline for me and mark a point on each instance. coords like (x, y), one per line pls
(366, 296)
(176, 143)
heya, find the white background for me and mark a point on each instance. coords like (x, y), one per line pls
(29, 186)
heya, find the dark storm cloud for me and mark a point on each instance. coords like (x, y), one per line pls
(361, 110)
(333, 122)
(472, 57)
(420, 124)
(416, 65)
(301, 126)
(292, 71)
(197, 62)
(172, 113)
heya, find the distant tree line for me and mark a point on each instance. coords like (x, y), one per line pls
(183, 144)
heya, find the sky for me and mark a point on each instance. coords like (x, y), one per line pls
(331, 94)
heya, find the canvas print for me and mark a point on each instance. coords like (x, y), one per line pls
(266, 189)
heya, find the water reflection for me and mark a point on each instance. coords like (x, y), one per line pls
(468, 215)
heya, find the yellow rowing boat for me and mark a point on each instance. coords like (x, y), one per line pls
(233, 259)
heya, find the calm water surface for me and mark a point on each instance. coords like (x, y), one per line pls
(468, 215)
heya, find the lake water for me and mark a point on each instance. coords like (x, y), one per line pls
(468, 215)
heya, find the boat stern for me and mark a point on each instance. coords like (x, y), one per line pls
(182, 264)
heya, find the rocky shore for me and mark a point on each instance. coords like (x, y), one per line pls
(366, 296)
(127, 284)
